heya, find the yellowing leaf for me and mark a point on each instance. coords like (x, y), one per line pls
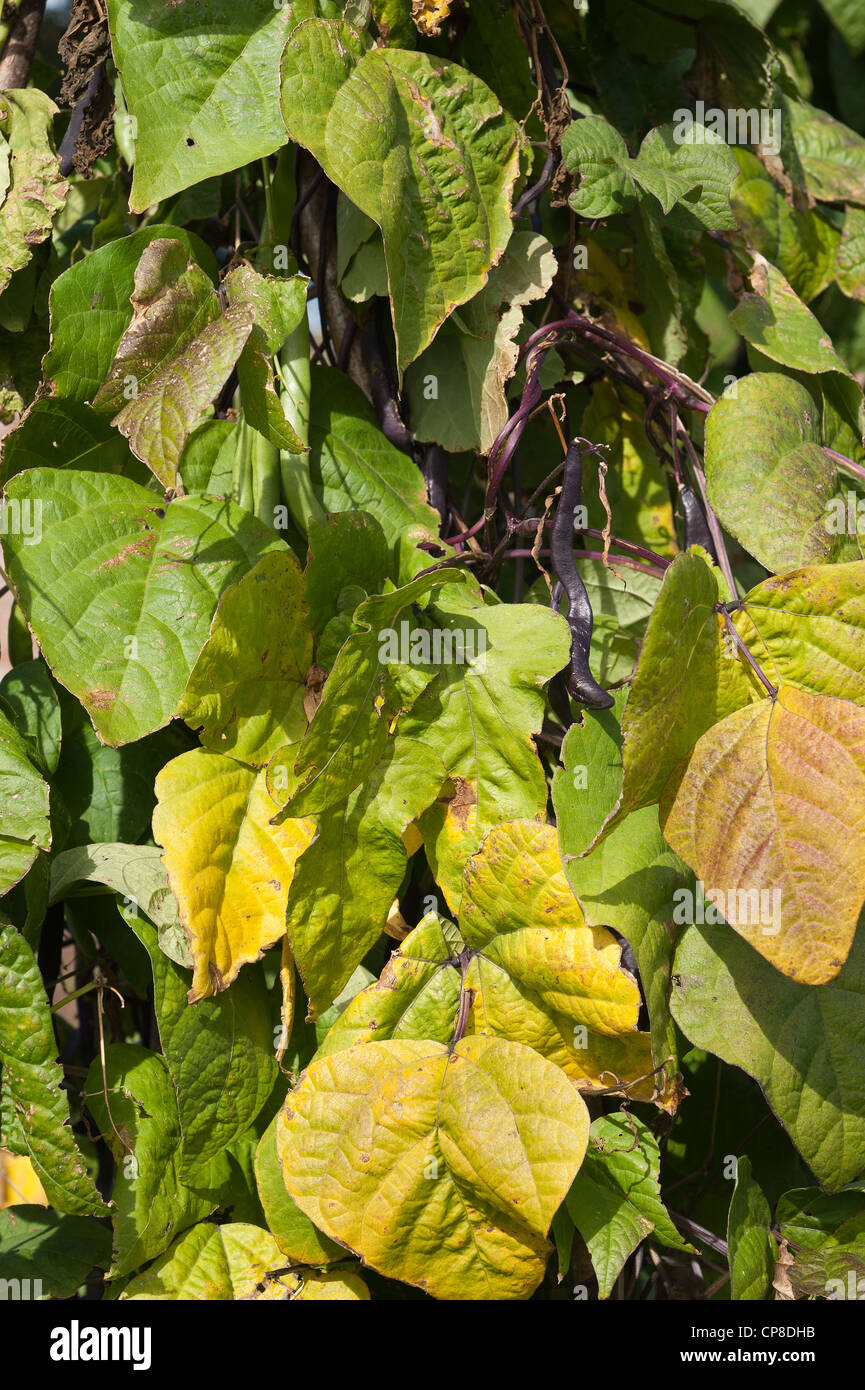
(440, 1167)
(519, 910)
(248, 684)
(19, 1184)
(769, 811)
(228, 867)
(429, 15)
(231, 1262)
(541, 975)
(536, 973)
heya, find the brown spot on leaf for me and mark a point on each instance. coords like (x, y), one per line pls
(99, 699)
(140, 547)
(462, 801)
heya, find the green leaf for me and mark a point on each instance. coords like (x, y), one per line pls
(850, 256)
(423, 148)
(481, 722)
(355, 468)
(629, 879)
(24, 823)
(596, 152)
(832, 156)
(38, 1244)
(455, 1188)
(120, 591)
(802, 244)
(769, 477)
(219, 1054)
(140, 1125)
(206, 465)
(203, 89)
(35, 1109)
(375, 678)
(827, 1233)
(136, 871)
(245, 692)
(346, 880)
(279, 305)
(615, 1200)
(37, 190)
(174, 357)
(347, 549)
(456, 389)
(775, 321)
(30, 694)
(107, 793)
(693, 175)
(751, 1247)
(684, 683)
(847, 16)
(67, 434)
(803, 1045)
(91, 309)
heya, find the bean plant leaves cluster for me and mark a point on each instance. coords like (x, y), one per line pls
(432, 715)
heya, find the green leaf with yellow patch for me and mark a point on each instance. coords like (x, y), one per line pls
(35, 1113)
(246, 690)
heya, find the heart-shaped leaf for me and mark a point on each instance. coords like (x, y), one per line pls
(388, 1142)
(769, 812)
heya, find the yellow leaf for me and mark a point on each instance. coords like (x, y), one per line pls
(228, 867)
(286, 1012)
(769, 812)
(429, 15)
(519, 910)
(443, 1168)
(19, 1185)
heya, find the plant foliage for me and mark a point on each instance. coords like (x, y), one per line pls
(432, 736)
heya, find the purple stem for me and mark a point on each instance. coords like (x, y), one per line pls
(855, 468)
(588, 329)
(623, 560)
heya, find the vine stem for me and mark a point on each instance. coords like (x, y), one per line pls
(711, 519)
(576, 324)
(842, 460)
(462, 1017)
(20, 46)
(624, 560)
(771, 689)
(268, 202)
